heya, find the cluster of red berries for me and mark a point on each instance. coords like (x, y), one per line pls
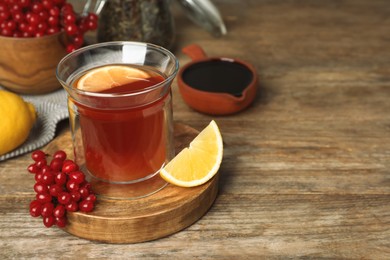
(36, 18)
(60, 187)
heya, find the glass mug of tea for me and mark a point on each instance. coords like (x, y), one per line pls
(120, 112)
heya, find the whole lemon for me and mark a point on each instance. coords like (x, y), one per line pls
(17, 117)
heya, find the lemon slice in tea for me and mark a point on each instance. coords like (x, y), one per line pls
(107, 77)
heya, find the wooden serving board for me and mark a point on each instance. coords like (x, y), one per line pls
(131, 221)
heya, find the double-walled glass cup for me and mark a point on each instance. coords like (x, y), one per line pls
(121, 139)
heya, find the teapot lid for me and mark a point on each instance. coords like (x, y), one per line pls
(205, 14)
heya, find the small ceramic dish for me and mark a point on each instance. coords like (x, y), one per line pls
(216, 85)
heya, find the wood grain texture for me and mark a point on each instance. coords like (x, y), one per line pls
(306, 168)
(132, 221)
(28, 65)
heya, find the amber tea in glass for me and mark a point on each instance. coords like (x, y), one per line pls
(122, 135)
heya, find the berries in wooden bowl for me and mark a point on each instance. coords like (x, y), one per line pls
(34, 36)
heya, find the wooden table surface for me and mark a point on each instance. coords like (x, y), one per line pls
(306, 169)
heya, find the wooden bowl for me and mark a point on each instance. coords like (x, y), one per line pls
(224, 100)
(28, 65)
